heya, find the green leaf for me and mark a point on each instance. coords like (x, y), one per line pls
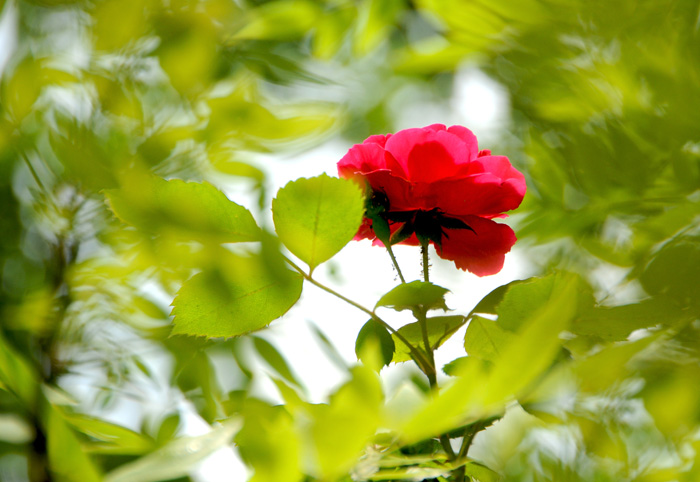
(480, 472)
(618, 322)
(111, 438)
(316, 217)
(269, 443)
(408, 296)
(600, 370)
(342, 429)
(177, 458)
(280, 20)
(374, 345)
(674, 272)
(17, 374)
(276, 361)
(490, 302)
(168, 428)
(485, 339)
(479, 392)
(67, 459)
(184, 210)
(238, 296)
(523, 298)
(440, 329)
(460, 365)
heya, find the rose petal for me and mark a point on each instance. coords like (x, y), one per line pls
(377, 139)
(468, 137)
(494, 186)
(365, 158)
(427, 155)
(482, 252)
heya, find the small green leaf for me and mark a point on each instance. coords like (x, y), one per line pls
(459, 365)
(184, 210)
(238, 296)
(485, 339)
(276, 361)
(440, 329)
(372, 340)
(315, 218)
(480, 472)
(167, 428)
(408, 296)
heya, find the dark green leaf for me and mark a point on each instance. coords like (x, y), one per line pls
(374, 345)
(674, 272)
(459, 365)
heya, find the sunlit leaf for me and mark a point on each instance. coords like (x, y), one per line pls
(341, 429)
(67, 460)
(269, 442)
(111, 438)
(16, 374)
(602, 369)
(477, 393)
(280, 19)
(186, 210)
(176, 459)
(407, 296)
(618, 322)
(440, 329)
(316, 217)
(522, 298)
(238, 296)
(486, 339)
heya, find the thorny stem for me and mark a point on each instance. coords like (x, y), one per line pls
(418, 357)
(426, 261)
(396, 264)
(421, 314)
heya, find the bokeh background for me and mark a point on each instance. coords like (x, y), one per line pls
(598, 103)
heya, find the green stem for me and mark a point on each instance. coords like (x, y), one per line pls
(396, 264)
(420, 360)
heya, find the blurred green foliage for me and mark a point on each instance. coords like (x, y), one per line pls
(107, 106)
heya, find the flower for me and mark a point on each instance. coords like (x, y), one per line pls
(432, 184)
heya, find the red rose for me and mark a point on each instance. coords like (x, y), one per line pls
(438, 185)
